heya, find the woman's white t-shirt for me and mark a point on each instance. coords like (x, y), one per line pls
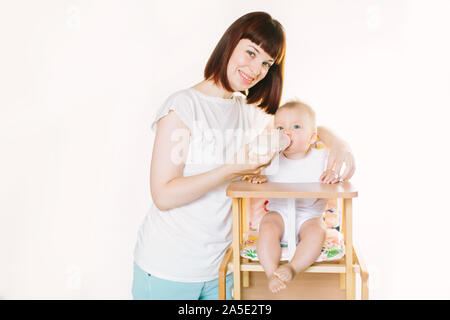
(188, 243)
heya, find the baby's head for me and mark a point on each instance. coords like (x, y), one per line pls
(298, 121)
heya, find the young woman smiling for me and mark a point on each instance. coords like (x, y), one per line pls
(188, 228)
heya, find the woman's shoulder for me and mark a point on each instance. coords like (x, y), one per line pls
(181, 103)
(181, 96)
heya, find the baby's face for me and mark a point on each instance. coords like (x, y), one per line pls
(297, 124)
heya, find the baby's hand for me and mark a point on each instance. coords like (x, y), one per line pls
(329, 176)
(260, 178)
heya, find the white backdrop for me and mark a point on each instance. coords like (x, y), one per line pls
(80, 82)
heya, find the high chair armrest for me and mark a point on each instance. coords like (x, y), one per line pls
(226, 259)
(360, 261)
(364, 273)
(245, 189)
(223, 273)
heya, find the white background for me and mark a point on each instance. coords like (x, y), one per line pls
(80, 82)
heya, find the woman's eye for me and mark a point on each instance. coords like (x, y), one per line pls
(296, 126)
(280, 128)
(250, 53)
(267, 65)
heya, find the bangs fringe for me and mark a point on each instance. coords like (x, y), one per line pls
(267, 36)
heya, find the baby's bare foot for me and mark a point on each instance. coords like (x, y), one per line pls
(275, 284)
(285, 272)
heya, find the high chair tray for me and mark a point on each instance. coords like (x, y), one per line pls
(245, 189)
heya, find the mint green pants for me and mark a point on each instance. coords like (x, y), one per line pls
(149, 287)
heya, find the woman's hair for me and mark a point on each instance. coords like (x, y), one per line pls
(268, 33)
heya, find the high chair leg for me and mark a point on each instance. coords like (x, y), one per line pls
(342, 281)
(245, 276)
(349, 273)
(237, 211)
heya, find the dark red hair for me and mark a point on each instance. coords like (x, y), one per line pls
(268, 33)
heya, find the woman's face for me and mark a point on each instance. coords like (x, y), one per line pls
(248, 65)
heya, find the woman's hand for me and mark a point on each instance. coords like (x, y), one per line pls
(260, 178)
(246, 163)
(340, 154)
(329, 176)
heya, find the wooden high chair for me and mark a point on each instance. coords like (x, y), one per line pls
(347, 267)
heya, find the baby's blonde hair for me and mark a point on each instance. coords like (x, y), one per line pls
(295, 103)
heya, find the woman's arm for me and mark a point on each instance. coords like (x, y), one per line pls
(340, 153)
(169, 188)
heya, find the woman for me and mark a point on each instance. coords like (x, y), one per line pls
(201, 135)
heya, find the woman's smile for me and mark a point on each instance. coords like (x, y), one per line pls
(247, 79)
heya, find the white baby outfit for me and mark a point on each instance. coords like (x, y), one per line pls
(308, 169)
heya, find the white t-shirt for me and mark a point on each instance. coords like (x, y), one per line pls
(188, 243)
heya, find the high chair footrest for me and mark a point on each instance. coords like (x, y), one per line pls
(315, 268)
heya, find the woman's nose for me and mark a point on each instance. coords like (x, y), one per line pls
(256, 67)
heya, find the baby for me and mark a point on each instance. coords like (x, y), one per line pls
(297, 163)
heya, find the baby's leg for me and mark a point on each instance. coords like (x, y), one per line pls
(269, 251)
(311, 238)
